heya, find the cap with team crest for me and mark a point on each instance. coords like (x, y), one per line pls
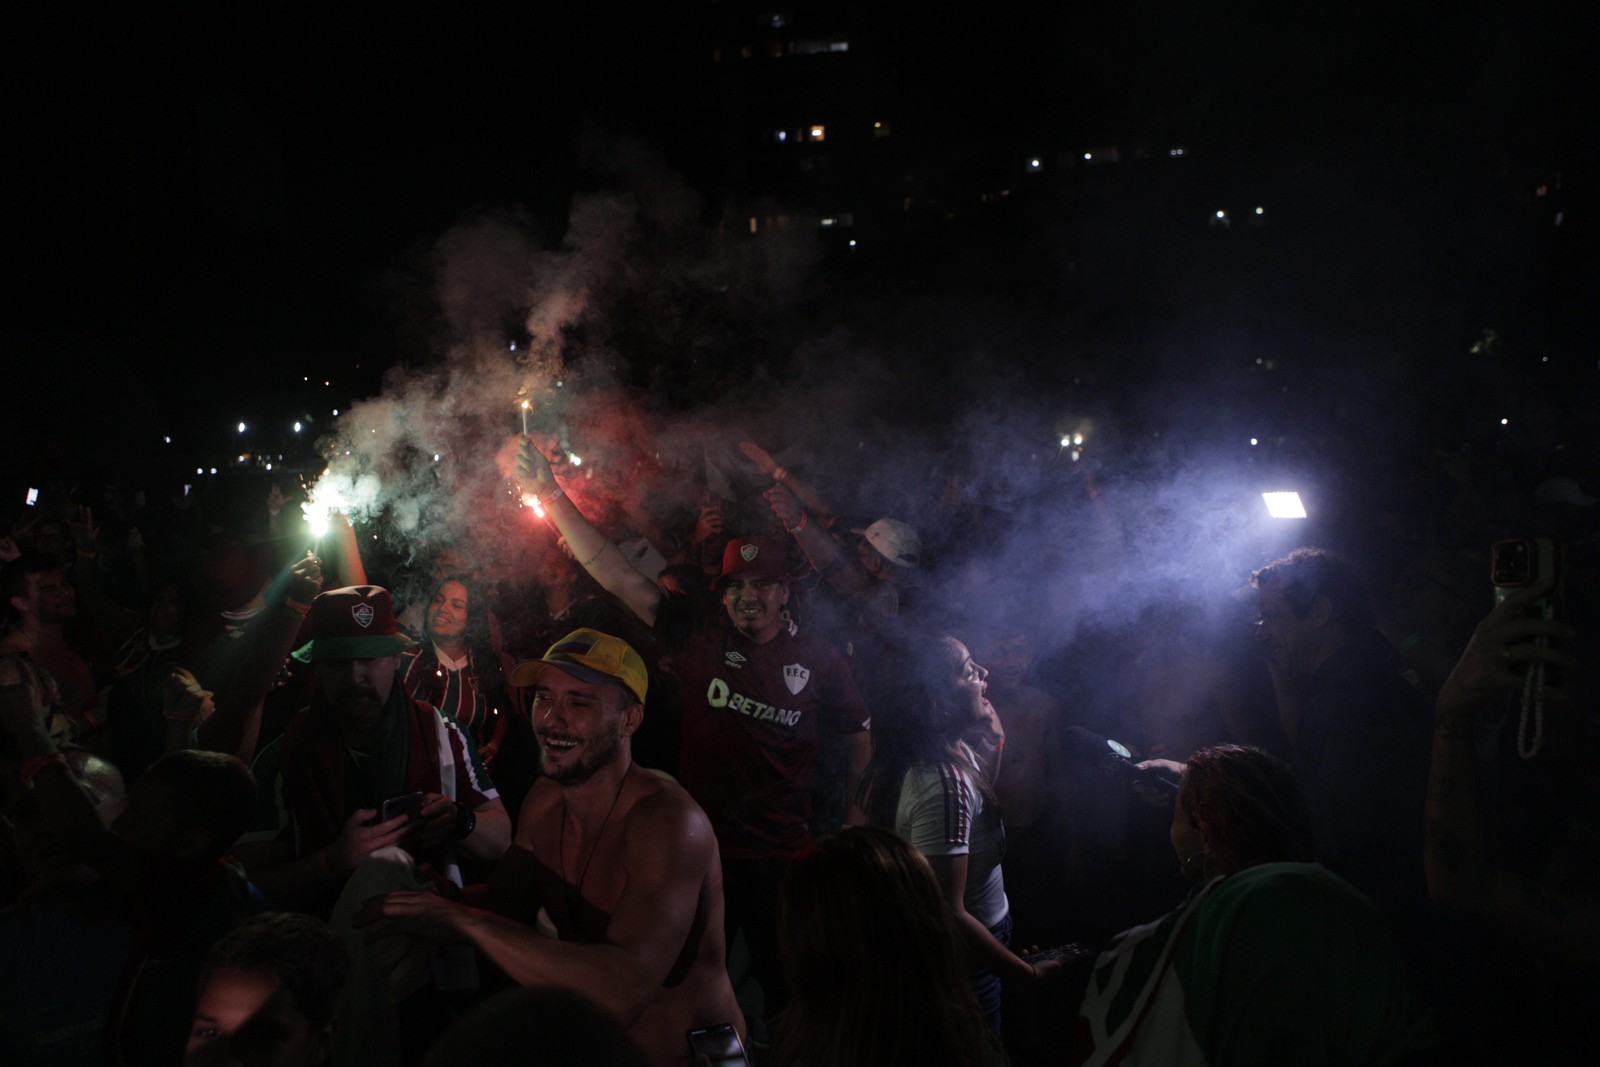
(356, 622)
(754, 557)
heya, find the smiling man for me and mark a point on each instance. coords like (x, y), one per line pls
(758, 696)
(621, 861)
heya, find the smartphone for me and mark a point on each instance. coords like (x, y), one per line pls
(33, 497)
(720, 1044)
(404, 804)
(1519, 562)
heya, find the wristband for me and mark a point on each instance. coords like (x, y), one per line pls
(801, 526)
(780, 474)
(555, 494)
(466, 822)
(298, 608)
(38, 763)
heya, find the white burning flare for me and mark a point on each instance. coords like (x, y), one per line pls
(338, 494)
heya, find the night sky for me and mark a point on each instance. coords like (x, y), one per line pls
(209, 218)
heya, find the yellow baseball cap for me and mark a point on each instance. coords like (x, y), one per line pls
(591, 656)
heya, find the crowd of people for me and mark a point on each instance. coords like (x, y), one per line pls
(758, 776)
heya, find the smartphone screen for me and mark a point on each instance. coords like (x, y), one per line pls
(720, 1044)
(33, 497)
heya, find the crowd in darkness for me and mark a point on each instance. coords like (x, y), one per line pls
(378, 803)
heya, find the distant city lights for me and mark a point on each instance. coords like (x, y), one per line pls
(1284, 505)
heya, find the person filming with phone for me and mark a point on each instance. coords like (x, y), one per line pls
(364, 767)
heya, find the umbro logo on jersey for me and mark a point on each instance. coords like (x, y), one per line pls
(795, 677)
(735, 660)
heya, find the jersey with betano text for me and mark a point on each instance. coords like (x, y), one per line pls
(752, 714)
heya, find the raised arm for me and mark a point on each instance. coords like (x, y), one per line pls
(602, 559)
(236, 726)
(1461, 872)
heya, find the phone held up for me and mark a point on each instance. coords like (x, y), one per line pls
(1519, 562)
(720, 1044)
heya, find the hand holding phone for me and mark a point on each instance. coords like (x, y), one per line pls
(719, 1044)
(408, 804)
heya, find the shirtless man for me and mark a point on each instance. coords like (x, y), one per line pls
(621, 862)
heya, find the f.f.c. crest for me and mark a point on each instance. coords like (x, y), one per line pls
(795, 677)
(748, 552)
(363, 615)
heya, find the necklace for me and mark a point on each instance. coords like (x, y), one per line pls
(575, 894)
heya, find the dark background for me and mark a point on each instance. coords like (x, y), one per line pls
(207, 218)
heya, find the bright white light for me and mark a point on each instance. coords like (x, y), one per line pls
(168, 440)
(1222, 214)
(241, 427)
(336, 411)
(1261, 211)
(1174, 152)
(1253, 442)
(1077, 438)
(531, 501)
(575, 459)
(213, 470)
(513, 346)
(297, 427)
(1035, 164)
(1505, 422)
(783, 135)
(199, 470)
(1088, 155)
(852, 243)
(1065, 441)
(319, 522)
(1284, 505)
(560, 383)
(436, 457)
(269, 466)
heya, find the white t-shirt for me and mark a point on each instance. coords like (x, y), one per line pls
(942, 812)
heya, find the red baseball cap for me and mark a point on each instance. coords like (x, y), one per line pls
(754, 557)
(356, 622)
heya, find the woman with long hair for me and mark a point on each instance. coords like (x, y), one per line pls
(936, 752)
(455, 666)
(876, 971)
